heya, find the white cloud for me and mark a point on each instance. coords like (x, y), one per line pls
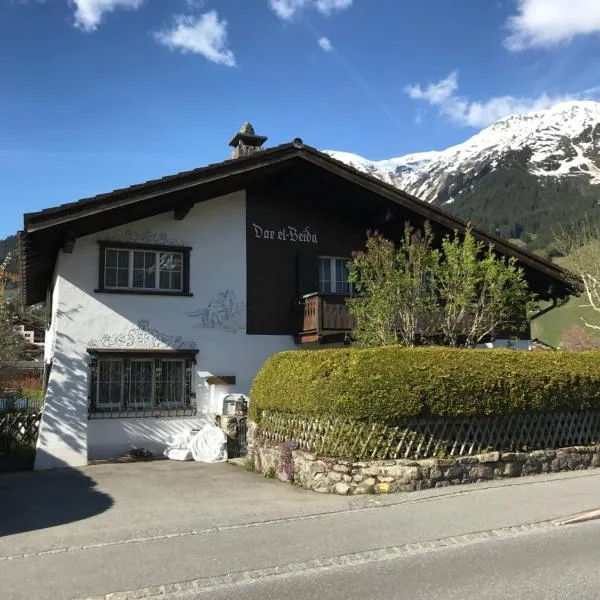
(463, 111)
(325, 44)
(482, 114)
(435, 93)
(205, 35)
(89, 13)
(545, 23)
(288, 9)
(329, 6)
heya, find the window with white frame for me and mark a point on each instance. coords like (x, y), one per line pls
(333, 275)
(144, 269)
(137, 383)
(132, 269)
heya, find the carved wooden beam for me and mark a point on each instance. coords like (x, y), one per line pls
(69, 242)
(180, 212)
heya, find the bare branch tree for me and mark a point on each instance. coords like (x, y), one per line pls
(579, 243)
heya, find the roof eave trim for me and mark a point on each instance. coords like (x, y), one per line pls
(42, 224)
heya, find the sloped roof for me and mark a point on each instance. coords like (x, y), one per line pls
(45, 231)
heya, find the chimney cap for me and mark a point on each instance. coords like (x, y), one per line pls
(247, 135)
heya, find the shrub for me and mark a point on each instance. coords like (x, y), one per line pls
(393, 383)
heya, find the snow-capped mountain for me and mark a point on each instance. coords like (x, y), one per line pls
(536, 163)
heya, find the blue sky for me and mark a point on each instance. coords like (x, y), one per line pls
(99, 94)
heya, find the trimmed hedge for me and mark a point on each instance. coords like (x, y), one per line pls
(392, 383)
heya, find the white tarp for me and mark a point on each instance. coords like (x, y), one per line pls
(206, 445)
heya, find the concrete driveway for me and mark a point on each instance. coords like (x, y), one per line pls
(114, 527)
(108, 502)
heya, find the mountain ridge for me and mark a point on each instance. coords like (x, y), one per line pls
(518, 177)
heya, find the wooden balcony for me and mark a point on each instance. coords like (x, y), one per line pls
(324, 318)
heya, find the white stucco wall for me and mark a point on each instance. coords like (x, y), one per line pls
(216, 231)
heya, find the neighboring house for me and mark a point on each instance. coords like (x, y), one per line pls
(34, 333)
(168, 292)
(8, 280)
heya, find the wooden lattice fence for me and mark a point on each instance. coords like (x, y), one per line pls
(18, 431)
(428, 438)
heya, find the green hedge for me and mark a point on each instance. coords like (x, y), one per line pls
(392, 383)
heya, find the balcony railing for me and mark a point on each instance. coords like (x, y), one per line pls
(323, 315)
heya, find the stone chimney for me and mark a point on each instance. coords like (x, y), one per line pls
(246, 142)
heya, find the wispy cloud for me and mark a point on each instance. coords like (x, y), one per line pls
(435, 93)
(205, 35)
(545, 23)
(325, 44)
(89, 13)
(289, 9)
(463, 111)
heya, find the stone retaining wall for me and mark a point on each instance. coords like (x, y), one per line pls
(336, 476)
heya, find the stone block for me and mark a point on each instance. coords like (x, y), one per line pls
(453, 472)
(370, 482)
(559, 463)
(424, 484)
(596, 460)
(403, 472)
(436, 474)
(309, 456)
(406, 487)
(385, 479)
(358, 478)
(481, 471)
(445, 462)
(575, 460)
(318, 467)
(510, 469)
(538, 454)
(371, 471)
(347, 478)
(334, 476)
(412, 473)
(340, 468)
(441, 484)
(531, 467)
(322, 489)
(490, 457)
(508, 456)
(342, 488)
(467, 460)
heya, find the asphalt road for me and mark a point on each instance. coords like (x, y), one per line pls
(216, 531)
(558, 564)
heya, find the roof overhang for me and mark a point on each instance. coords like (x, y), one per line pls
(47, 231)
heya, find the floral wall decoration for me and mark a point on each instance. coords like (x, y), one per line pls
(144, 237)
(142, 336)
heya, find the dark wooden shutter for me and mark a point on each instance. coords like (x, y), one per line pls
(308, 281)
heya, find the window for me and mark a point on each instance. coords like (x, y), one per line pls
(110, 383)
(144, 269)
(140, 384)
(333, 276)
